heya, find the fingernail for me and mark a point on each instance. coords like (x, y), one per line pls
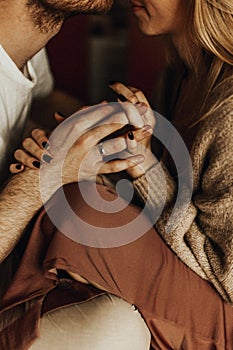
(130, 135)
(139, 159)
(141, 104)
(36, 164)
(61, 114)
(45, 144)
(147, 130)
(122, 98)
(111, 82)
(46, 158)
(19, 166)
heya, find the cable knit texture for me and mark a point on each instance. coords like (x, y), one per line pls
(203, 238)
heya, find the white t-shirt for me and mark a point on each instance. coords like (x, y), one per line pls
(16, 94)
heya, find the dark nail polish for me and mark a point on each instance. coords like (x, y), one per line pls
(111, 82)
(122, 98)
(19, 166)
(61, 114)
(131, 135)
(36, 164)
(45, 144)
(141, 104)
(46, 158)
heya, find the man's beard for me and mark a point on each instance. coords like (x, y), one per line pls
(48, 14)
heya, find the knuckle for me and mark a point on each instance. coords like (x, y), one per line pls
(133, 88)
(119, 145)
(107, 109)
(38, 153)
(133, 98)
(42, 139)
(110, 167)
(76, 126)
(140, 95)
(116, 167)
(35, 132)
(84, 139)
(118, 85)
(17, 153)
(26, 142)
(130, 163)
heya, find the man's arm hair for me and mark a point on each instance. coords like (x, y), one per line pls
(19, 202)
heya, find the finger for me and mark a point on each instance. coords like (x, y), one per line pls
(135, 136)
(26, 159)
(16, 168)
(100, 132)
(39, 135)
(84, 108)
(126, 94)
(111, 147)
(122, 90)
(59, 116)
(139, 94)
(135, 114)
(149, 116)
(132, 144)
(95, 135)
(35, 150)
(140, 134)
(118, 165)
(97, 114)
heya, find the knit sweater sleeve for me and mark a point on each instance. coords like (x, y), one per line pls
(203, 237)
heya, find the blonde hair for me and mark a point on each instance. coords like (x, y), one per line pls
(208, 47)
(213, 24)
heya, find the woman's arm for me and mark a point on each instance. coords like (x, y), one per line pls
(203, 238)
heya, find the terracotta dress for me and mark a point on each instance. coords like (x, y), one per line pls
(181, 310)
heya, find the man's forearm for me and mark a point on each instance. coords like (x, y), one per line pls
(19, 201)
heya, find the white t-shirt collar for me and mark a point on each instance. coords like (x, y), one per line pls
(15, 73)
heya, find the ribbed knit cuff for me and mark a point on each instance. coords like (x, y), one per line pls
(156, 188)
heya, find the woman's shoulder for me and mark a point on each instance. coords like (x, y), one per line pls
(214, 138)
(219, 118)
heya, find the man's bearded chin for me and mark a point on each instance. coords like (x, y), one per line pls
(52, 12)
(94, 6)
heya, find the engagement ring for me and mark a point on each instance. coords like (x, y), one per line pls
(101, 149)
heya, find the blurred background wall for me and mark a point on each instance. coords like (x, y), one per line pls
(90, 51)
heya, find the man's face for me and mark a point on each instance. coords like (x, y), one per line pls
(76, 6)
(48, 15)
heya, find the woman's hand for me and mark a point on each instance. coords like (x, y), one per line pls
(33, 153)
(34, 149)
(137, 97)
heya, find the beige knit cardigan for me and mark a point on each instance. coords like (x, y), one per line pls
(203, 239)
